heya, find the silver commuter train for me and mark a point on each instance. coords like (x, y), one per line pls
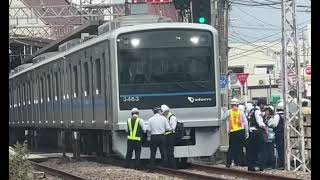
(95, 84)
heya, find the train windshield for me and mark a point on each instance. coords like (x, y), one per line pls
(173, 67)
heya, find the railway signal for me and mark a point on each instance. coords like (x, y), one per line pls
(201, 11)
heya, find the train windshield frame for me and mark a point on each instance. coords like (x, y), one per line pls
(169, 66)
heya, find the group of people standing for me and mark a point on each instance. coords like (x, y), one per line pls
(161, 126)
(258, 129)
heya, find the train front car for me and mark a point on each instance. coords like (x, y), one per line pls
(174, 64)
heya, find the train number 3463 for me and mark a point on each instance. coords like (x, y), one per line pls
(130, 99)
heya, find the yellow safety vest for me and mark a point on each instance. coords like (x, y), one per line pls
(235, 123)
(168, 116)
(133, 133)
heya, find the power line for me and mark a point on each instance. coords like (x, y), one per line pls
(256, 18)
(257, 28)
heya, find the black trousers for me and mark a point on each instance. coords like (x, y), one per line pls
(255, 150)
(136, 146)
(269, 155)
(158, 141)
(236, 144)
(280, 148)
(170, 140)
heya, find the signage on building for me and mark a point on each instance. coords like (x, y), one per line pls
(242, 77)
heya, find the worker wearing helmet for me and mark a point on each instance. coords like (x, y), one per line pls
(170, 135)
(158, 125)
(278, 124)
(270, 138)
(256, 139)
(135, 130)
(237, 125)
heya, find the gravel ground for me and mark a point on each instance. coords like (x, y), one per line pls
(97, 171)
(292, 174)
(216, 175)
(47, 177)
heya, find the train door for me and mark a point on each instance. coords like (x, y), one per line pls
(67, 113)
(28, 101)
(56, 95)
(49, 99)
(42, 103)
(36, 97)
(107, 83)
(75, 99)
(19, 101)
(87, 86)
(98, 95)
(10, 103)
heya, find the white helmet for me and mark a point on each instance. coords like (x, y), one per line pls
(134, 110)
(241, 107)
(280, 106)
(164, 108)
(249, 106)
(234, 101)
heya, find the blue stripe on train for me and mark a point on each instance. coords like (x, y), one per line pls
(169, 94)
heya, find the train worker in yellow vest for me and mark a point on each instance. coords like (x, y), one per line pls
(237, 126)
(170, 135)
(136, 128)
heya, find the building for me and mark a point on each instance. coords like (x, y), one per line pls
(262, 61)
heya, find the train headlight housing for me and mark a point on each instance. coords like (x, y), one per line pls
(135, 42)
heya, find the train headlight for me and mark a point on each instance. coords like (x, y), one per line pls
(194, 40)
(135, 42)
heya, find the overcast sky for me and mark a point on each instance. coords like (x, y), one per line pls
(255, 23)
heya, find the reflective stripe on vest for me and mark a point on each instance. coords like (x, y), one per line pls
(133, 134)
(168, 117)
(235, 123)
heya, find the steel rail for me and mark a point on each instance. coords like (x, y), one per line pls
(238, 173)
(56, 172)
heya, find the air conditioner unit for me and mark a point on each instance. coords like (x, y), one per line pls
(261, 82)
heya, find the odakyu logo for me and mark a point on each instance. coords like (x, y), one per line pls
(192, 100)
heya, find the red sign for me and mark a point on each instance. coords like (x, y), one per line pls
(242, 77)
(158, 1)
(307, 70)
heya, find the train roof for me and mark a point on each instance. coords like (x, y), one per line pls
(112, 35)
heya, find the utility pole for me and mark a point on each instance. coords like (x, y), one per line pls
(220, 22)
(292, 91)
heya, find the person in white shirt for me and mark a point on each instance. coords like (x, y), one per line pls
(237, 126)
(170, 135)
(158, 125)
(256, 139)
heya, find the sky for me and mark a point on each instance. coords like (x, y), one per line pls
(248, 23)
(255, 23)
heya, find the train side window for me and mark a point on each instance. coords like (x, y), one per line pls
(49, 86)
(75, 78)
(23, 94)
(30, 92)
(42, 89)
(86, 78)
(98, 76)
(56, 77)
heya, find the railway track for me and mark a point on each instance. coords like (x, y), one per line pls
(203, 172)
(56, 172)
(238, 173)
